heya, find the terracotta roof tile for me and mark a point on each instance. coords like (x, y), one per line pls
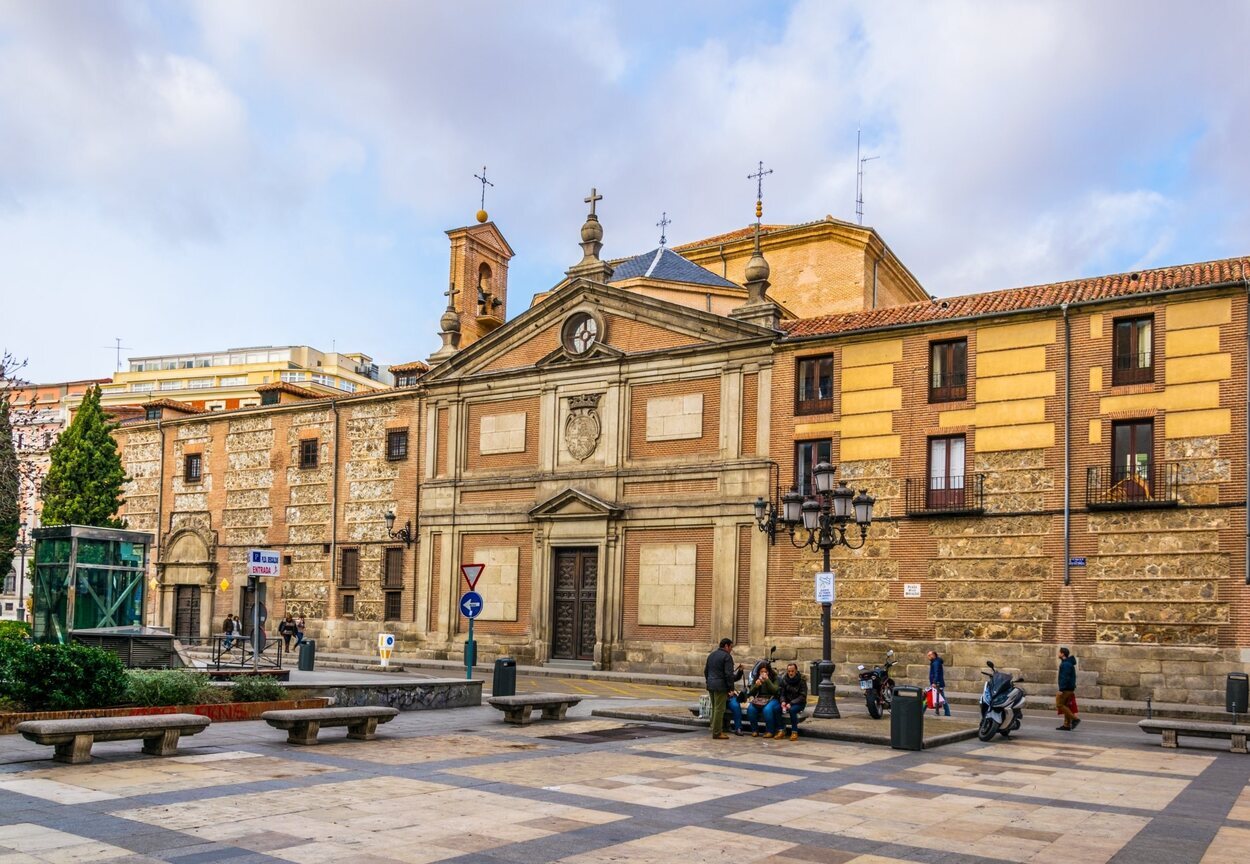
(1032, 297)
(173, 404)
(414, 366)
(730, 236)
(286, 387)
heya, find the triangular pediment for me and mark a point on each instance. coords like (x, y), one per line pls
(575, 504)
(627, 324)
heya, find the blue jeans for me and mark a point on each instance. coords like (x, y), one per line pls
(796, 708)
(771, 712)
(735, 708)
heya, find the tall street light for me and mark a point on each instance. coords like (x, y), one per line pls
(825, 517)
(21, 547)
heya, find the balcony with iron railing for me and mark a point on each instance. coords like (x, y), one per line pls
(936, 496)
(1135, 367)
(1153, 485)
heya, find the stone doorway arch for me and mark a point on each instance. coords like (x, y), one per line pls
(186, 591)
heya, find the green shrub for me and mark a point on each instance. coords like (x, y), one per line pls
(65, 677)
(152, 687)
(10, 629)
(10, 651)
(257, 688)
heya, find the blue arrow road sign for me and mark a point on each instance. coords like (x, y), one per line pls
(470, 604)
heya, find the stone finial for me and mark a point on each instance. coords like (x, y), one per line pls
(450, 324)
(758, 309)
(591, 267)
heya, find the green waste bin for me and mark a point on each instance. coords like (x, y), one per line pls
(503, 683)
(307, 655)
(907, 718)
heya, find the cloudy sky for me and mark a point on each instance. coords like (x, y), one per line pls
(199, 175)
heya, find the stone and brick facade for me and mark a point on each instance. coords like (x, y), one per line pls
(608, 482)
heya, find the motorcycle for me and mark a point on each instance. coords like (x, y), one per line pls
(877, 686)
(1001, 703)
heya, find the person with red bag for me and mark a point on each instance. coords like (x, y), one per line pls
(935, 697)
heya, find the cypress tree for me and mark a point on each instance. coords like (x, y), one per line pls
(9, 489)
(84, 482)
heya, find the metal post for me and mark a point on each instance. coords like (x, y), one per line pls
(827, 703)
(470, 654)
(21, 548)
(256, 626)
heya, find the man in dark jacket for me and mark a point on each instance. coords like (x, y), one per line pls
(719, 672)
(1067, 690)
(937, 679)
(228, 628)
(793, 698)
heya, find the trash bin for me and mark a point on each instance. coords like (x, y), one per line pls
(907, 718)
(1237, 693)
(307, 655)
(503, 683)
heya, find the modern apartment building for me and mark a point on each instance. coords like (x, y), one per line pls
(225, 380)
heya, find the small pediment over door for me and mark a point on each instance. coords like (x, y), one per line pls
(575, 504)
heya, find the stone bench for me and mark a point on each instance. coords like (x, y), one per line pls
(1173, 729)
(516, 709)
(303, 724)
(785, 718)
(73, 738)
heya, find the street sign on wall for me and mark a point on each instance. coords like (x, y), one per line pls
(263, 562)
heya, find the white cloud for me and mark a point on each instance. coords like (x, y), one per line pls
(297, 150)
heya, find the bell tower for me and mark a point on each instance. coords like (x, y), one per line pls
(479, 278)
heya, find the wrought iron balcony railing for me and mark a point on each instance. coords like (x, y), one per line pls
(927, 496)
(1153, 485)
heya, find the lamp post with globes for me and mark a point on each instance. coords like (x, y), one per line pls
(825, 517)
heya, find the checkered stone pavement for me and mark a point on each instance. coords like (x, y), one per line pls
(460, 786)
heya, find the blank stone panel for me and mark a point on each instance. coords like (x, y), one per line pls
(498, 583)
(666, 583)
(671, 418)
(502, 433)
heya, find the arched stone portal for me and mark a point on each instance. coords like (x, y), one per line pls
(186, 590)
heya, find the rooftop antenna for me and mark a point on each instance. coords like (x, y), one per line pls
(859, 179)
(119, 348)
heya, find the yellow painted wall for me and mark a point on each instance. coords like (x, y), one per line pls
(868, 400)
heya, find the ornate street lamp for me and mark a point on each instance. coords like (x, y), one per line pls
(823, 518)
(21, 547)
(404, 534)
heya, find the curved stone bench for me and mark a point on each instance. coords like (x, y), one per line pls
(303, 724)
(73, 738)
(1173, 729)
(517, 709)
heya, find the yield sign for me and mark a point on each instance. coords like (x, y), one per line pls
(471, 573)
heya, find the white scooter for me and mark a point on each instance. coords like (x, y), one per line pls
(1001, 702)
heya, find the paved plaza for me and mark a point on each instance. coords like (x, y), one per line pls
(461, 786)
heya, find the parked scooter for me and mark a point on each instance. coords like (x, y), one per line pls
(1001, 704)
(877, 686)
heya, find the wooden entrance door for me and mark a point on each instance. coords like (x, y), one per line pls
(187, 612)
(573, 607)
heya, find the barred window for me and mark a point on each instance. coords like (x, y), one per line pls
(192, 466)
(397, 444)
(393, 568)
(309, 450)
(349, 573)
(348, 604)
(391, 608)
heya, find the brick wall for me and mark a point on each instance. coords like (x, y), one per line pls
(524, 542)
(635, 538)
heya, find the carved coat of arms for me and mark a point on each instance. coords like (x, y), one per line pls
(582, 428)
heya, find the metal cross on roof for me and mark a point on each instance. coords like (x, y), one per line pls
(594, 197)
(482, 179)
(663, 226)
(758, 177)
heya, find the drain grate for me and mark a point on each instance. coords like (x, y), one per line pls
(620, 733)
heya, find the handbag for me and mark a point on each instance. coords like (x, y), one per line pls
(761, 701)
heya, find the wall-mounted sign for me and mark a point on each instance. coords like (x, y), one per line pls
(911, 589)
